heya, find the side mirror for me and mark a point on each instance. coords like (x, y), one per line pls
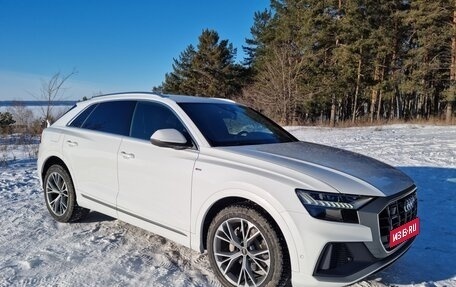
(171, 138)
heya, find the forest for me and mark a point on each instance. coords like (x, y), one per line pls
(332, 61)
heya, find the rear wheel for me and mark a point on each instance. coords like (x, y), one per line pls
(60, 196)
(244, 249)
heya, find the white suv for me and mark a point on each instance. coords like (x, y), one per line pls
(215, 175)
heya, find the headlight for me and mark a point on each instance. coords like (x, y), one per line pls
(332, 206)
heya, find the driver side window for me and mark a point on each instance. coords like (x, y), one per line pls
(150, 117)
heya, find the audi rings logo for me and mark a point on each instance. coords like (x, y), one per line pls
(409, 204)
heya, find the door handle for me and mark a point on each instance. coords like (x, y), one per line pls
(127, 155)
(72, 143)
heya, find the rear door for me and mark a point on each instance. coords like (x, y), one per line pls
(155, 182)
(90, 147)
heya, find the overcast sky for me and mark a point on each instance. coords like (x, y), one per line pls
(115, 45)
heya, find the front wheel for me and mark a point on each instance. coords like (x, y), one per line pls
(244, 249)
(60, 196)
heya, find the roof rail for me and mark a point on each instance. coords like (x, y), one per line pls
(127, 93)
(226, 100)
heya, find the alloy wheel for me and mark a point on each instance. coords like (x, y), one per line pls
(57, 194)
(241, 252)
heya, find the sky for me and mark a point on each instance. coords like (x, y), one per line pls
(114, 45)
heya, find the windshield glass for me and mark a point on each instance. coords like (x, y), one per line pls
(232, 125)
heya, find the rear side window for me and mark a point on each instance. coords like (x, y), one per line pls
(150, 117)
(111, 117)
(79, 120)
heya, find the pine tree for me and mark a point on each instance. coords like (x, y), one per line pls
(261, 35)
(209, 70)
(429, 57)
(451, 92)
(6, 120)
(181, 79)
(280, 56)
(353, 59)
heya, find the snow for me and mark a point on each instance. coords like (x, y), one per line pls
(35, 250)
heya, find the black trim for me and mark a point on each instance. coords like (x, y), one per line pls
(354, 275)
(134, 215)
(99, 201)
(174, 145)
(151, 222)
(340, 259)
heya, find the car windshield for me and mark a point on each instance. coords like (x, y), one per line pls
(226, 124)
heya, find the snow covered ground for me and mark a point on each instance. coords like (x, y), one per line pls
(100, 251)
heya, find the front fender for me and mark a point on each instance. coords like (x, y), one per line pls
(259, 197)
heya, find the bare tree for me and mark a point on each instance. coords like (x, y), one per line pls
(277, 85)
(22, 115)
(51, 91)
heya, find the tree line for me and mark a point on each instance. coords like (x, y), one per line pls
(332, 60)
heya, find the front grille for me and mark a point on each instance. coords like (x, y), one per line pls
(396, 214)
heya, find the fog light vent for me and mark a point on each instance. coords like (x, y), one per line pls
(343, 259)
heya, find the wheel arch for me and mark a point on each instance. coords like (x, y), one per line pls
(50, 161)
(260, 205)
(76, 212)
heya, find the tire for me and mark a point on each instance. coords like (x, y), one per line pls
(252, 254)
(60, 197)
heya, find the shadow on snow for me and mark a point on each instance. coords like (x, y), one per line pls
(94, 216)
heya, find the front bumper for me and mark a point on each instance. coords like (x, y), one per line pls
(339, 254)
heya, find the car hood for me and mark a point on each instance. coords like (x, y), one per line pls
(345, 171)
